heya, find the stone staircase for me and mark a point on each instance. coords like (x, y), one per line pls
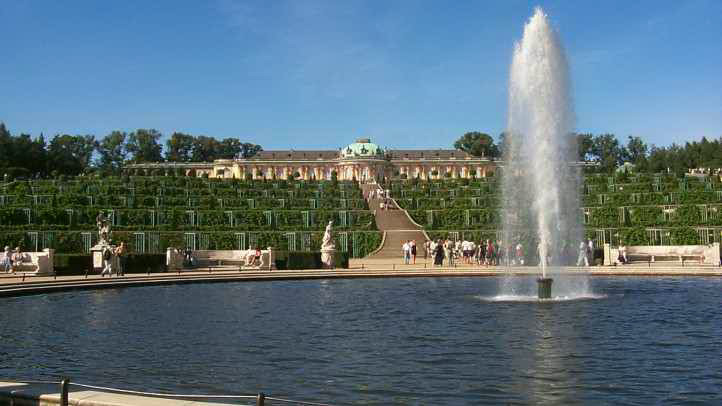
(396, 226)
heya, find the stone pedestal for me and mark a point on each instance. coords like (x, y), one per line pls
(545, 287)
(97, 254)
(328, 258)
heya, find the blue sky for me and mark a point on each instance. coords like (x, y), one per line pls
(318, 74)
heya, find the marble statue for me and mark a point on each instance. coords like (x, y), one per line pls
(327, 241)
(328, 248)
(103, 228)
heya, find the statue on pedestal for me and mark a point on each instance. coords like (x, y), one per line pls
(328, 248)
(103, 225)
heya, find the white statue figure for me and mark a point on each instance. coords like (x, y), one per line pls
(328, 248)
(103, 228)
(327, 242)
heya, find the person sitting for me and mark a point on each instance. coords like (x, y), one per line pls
(188, 257)
(257, 257)
(18, 258)
(622, 258)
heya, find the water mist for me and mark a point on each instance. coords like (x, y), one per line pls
(541, 183)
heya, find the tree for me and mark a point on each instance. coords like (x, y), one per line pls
(248, 150)
(179, 147)
(71, 154)
(606, 151)
(144, 147)
(477, 144)
(229, 148)
(635, 152)
(585, 144)
(5, 141)
(205, 149)
(112, 152)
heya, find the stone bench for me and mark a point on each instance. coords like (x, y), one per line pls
(703, 254)
(220, 258)
(35, 263)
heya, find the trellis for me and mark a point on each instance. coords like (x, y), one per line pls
(343, 241)
(87, 241)
(191, 216)
(291, 241)
(305, 241)
(241, 241)
(204, 241)
(139, 245)
(190, 240)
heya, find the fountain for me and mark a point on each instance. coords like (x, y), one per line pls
(541, 184)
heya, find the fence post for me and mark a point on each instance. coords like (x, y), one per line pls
(260, 399)
(64, 391)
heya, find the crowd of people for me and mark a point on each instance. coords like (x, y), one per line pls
(494, 252)
(487, 253)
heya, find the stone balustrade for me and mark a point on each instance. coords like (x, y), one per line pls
(215, 258)
(704, 254)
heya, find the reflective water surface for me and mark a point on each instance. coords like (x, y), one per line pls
(440, 341)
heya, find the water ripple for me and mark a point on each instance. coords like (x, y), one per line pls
(438, 341)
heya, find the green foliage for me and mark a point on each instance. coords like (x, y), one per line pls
(633, 236)
(604, 217)
(684, 236)
(477, 144)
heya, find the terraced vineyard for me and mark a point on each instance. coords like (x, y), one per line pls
(153, 213)
(638, 210)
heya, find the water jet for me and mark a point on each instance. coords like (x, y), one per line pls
(541, 181)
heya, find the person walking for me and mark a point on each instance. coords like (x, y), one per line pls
(406, 251)
(7, 262)
(489, 258)
(480, 253)
(449, 252)
(439, 253)
(582, 258)
(121, 252)
(107, 262)
(413, 252)
(519, 253)
(427, 249)
(590, 251)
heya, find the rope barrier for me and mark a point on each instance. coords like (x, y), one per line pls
(297, 402)
(30, 381)
(165, 395)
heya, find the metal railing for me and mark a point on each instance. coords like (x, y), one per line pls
(259, 399)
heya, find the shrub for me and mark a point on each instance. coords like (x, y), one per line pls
(142, 263)
(304, 260)
(72, 264)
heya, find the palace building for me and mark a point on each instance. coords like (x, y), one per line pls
(361, 160)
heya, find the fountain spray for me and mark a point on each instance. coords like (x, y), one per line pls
(541, 185)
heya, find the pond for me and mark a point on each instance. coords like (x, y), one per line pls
(434, 341)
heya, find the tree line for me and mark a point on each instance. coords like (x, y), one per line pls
(65, 154)
(608, 153)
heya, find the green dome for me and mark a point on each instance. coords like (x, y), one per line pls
(362, 148)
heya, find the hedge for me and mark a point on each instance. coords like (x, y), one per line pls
(79, 264)
(307, 260)
(72, 242)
